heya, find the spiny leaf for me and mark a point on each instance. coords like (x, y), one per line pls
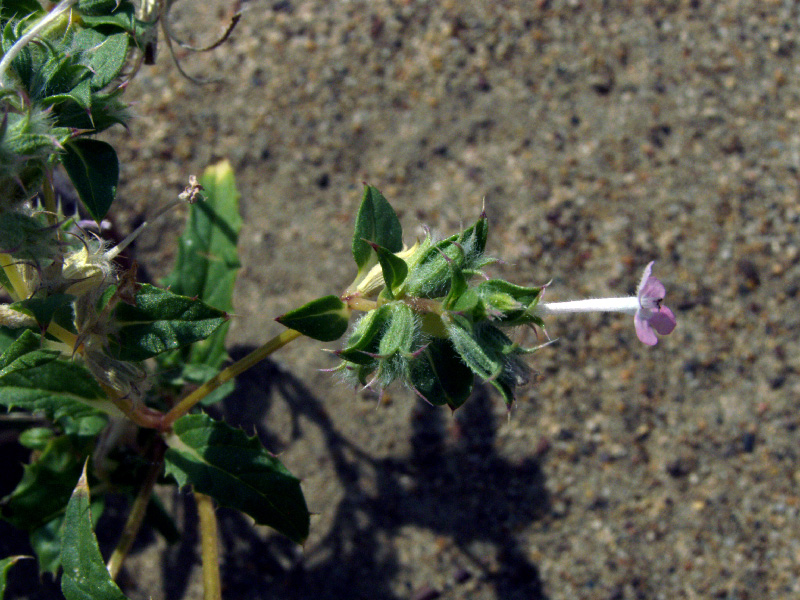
(237, 471)
(43, 309)
(366, 336)
(45, 487)
(161, 321)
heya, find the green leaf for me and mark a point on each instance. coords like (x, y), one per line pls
(19, 9)
(96, 7)
(8, 336)
(85, 575)
(238, 472)
(45, 487)
(323, 319)
(123, 17)
(489, 353)
(36, 438)
(43, 309)
(93, 168)
(512, 304)
(104, 54)
(484, 362)
(25, 237)
(208, 258)
(25, 353)
(394, 268)
(365, 340)
(36, 381)
(46, 540)
(400, 332)
(440, 376)
(432, 275)
(161, 321)
(43, 378)
(378, 223)
(5, 565)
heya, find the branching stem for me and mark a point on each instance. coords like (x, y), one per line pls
(240, 366)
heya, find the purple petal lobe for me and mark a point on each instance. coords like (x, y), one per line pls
(648, 270)
(643, 331)
(652, 289)
(663, 321)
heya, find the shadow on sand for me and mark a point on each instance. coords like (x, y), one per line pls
(464, 492)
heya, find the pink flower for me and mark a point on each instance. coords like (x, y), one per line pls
(651, 315)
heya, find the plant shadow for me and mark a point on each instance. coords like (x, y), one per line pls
(454, 486)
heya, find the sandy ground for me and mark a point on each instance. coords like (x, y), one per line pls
(602, 135)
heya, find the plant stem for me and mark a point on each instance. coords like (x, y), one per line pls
(138, 511)
(240, 366)
(209, 544)
(357, 303)
(49, 195)
(67, 337)
(19, 290)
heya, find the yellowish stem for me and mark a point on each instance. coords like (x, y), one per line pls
(361, 304)
(240, 366)
(19, 290)
(209, 544)
(57, 331)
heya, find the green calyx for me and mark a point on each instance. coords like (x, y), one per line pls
(430, 324)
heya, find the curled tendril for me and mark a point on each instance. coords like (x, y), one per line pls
(157, 12)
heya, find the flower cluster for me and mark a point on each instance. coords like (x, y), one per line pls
(433, 319)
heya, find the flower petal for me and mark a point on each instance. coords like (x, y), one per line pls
(644, 332)
(663, 320)
(648, 270)
(652, 289)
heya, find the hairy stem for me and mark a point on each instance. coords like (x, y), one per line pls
(49, 195)
(240, 366)
(209, 544)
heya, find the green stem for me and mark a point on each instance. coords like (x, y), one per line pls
(49, 195)
(240, 366)
(138, 511)
(209, 544)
